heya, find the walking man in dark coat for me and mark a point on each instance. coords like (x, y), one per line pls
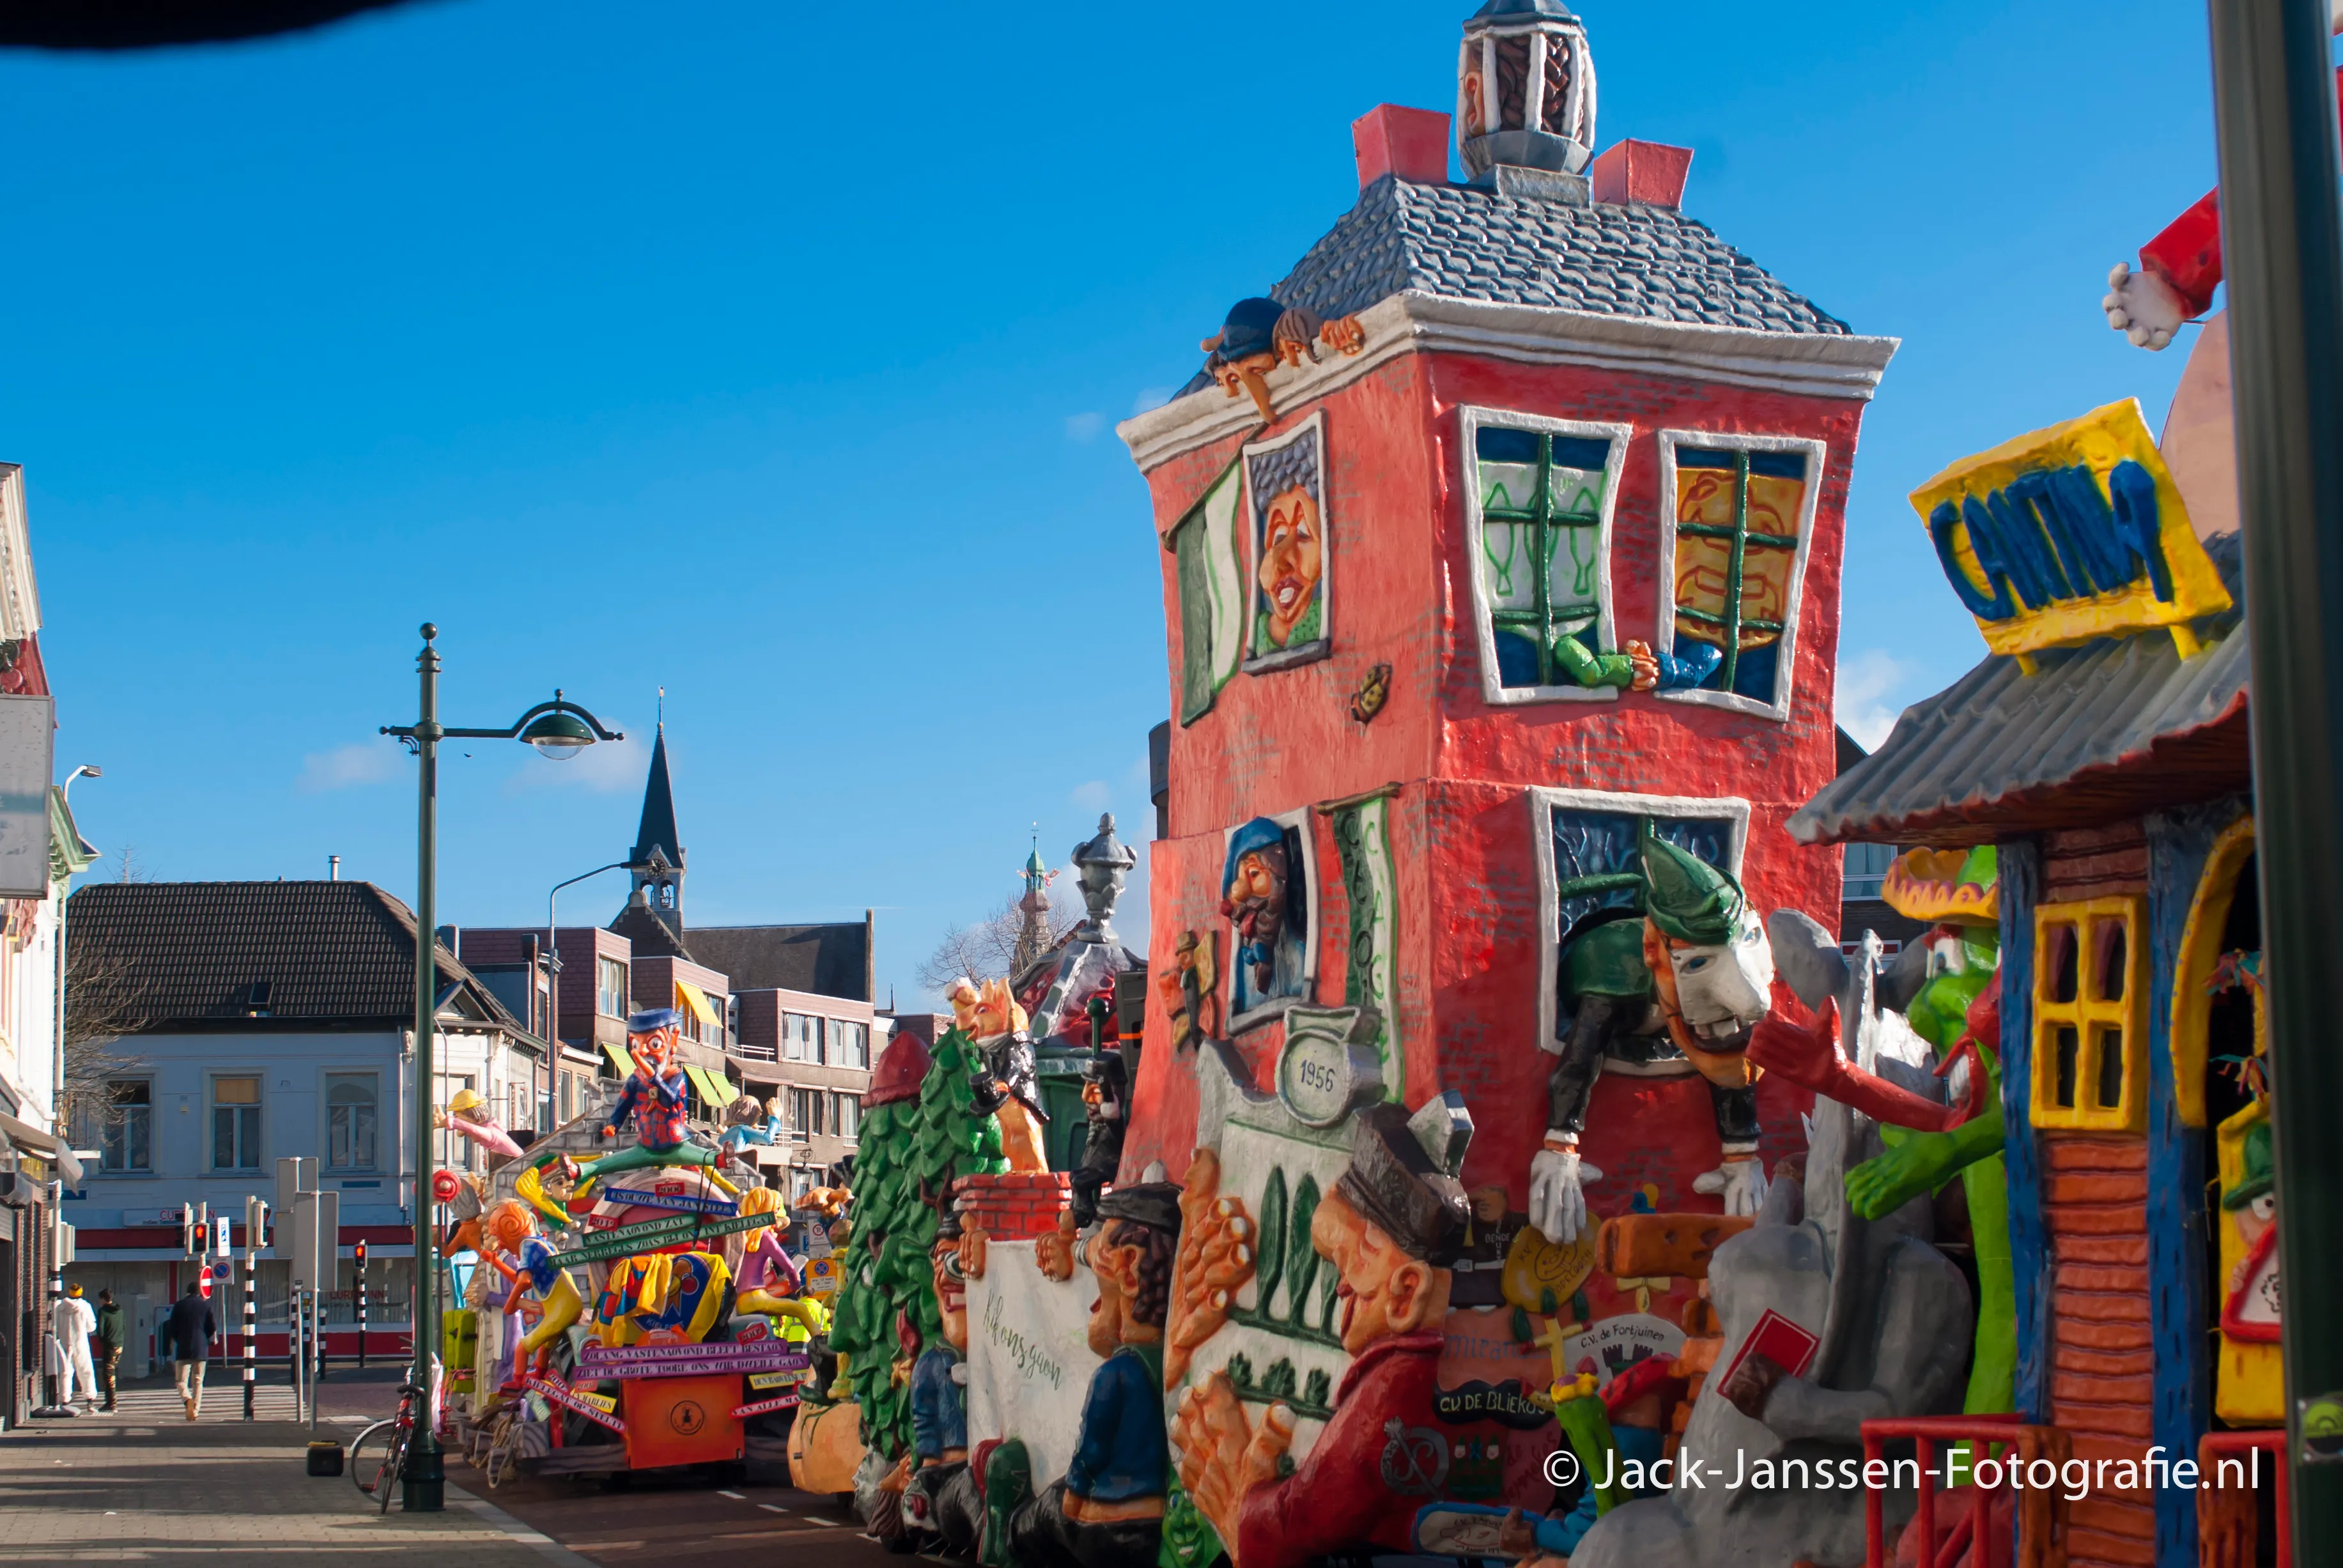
(190, 1329)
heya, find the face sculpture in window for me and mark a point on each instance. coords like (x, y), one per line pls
(1255, 901)
(1292, 562)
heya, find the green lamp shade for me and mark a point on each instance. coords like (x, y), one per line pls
(560, 734)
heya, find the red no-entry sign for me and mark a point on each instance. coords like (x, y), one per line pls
(204, 1282)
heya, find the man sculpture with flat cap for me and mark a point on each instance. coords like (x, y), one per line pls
(654, 1097)
(1108, 1511)
(1392, 1227)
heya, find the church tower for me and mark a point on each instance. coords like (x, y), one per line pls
(657, 859)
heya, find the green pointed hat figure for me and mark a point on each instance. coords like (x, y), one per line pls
(2258, 1174)
(1686, 898)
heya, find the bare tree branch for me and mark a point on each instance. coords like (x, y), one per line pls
(986, 950)
(102, 1006)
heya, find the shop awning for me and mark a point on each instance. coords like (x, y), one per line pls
(619, 1057)
(695, 1002)
(713, 1090)
(45, 1145)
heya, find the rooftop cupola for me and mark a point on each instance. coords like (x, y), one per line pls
(1524, 89)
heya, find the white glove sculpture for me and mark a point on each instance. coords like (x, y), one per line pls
(2143, 307)
(1558, 1201)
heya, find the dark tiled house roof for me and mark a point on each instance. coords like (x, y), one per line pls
(825, 960)
(2111, 728)
(1464, 242)
(159, 955)
(1468, 244)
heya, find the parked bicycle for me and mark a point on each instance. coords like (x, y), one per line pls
(389, 1439)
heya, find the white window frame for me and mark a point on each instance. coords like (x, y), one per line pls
(603, 965)
(1663, 635)
(212, 1106)
(96, 1133)
(1471, 418)
(1275, 1008)
(1543, 804)
(326, 1117)
(1309, 652)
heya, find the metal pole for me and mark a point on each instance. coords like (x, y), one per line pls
(256, 1233)
(362, 1307)
(425, 1478)
(2282, 247)
(56, 1281)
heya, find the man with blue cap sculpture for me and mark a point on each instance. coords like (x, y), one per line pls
(655, 1097)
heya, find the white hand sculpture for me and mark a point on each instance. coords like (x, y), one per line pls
(2143, 307)
(1743, 1183)
(1557, 1200)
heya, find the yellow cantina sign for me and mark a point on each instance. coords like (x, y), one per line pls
(2068, 534)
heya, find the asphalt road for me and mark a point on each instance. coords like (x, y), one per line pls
(142, 1483)
(681, 1520)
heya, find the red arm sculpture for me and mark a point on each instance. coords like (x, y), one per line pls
(2180, 267)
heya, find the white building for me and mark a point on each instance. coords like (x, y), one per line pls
(40, 851)
(257, 1020)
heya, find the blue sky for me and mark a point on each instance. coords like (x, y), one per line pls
(774, 357)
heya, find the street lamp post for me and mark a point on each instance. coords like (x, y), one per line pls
(553, 954)
(558, 729)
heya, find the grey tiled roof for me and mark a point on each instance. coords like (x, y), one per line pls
(2108, 729)
(1464, 242)
(1470, 244)
(147, 955)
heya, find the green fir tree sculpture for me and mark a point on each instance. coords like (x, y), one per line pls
(911, 1150)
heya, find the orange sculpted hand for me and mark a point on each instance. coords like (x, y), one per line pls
(1646, 667)
(1345, 334)
(1222, 1457)
(1055, 1251)
(1216, 1258)
(971, 1253)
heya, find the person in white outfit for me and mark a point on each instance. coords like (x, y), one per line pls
(71, 1322)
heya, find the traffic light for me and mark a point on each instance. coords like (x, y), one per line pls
(191, 1233)
(358, 1253)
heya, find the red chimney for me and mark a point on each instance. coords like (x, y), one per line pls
(1651, 174)
(1410, 143)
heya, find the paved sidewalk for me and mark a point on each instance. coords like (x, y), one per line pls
(110, 1490)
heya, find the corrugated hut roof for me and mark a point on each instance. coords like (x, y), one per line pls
(2115, 727)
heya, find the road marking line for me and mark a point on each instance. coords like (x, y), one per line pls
(772, 1508)
(733, 1495)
